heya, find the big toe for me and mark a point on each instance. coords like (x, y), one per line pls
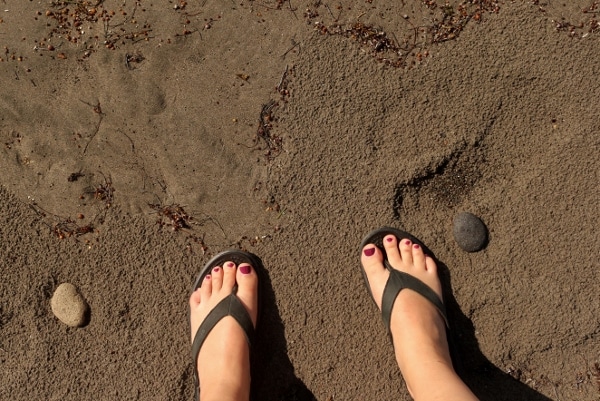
(372, 262)
(247, 281)
(371, 259)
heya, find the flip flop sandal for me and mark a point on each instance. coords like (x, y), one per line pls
(229, 306)
(398, 280)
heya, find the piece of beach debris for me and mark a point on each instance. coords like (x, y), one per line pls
(69, 306)
(470, 233)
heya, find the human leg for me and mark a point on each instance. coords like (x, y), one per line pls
(223, 362)
(416, 325)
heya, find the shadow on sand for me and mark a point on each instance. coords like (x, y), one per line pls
(487, 381)
(274, 378)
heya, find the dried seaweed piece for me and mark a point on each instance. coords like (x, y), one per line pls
(64, 227)
(596, 375)
(71, 16)
(272, 142)
(446, 26)
(69, 228)
(175, 215)
(105, 192)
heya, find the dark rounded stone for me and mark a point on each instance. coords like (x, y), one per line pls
(469, 232)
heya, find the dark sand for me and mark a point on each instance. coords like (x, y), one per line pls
(501, 121)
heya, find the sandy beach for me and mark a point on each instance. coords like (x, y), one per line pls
(140, 138)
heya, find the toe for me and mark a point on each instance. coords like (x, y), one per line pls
(229, 272)
(247, 292)
(430, 265)
(205, 288)
(418, 257)
(195, 298)
(406, 251)
(371, 259)
(390, 242)
(377, 274)
(217, 278)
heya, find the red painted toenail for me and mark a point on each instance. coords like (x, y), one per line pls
(230, 264)
(389, 239)
(216, 269)
(369, 252)
(407, 242)
(416, 246)
(245, 269)
(207, 277)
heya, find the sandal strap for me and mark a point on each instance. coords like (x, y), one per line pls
(229, 306)
(398, 281)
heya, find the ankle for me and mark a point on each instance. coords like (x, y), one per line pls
(225, 390)
(226, 379)
(448, 386)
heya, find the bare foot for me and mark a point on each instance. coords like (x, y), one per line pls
(417, 327)
(224, 359)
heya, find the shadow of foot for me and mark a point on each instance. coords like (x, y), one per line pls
(487, 381)
(273, 376)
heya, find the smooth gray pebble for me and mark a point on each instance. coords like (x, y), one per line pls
(470, 232)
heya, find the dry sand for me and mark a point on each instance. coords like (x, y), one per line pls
(500, 120)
